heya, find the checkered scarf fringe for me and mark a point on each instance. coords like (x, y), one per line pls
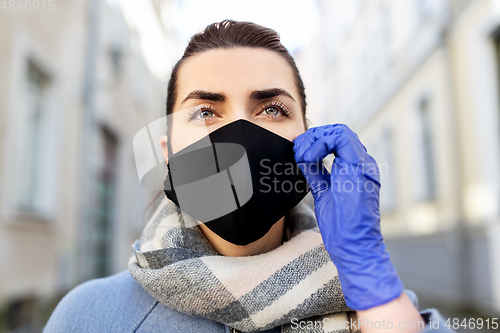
(294, 286)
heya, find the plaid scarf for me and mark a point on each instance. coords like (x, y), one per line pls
(295, 285)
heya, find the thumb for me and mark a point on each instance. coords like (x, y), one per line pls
(318, 178)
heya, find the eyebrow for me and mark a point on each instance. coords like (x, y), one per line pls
(220, 97)
(269, 93)
(201, 94)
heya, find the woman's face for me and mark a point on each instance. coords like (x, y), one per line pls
(220, 86)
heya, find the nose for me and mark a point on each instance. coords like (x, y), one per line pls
(238, 113)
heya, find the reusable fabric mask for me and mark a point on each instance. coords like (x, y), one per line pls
(240, 185)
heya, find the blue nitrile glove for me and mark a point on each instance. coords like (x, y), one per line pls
(347, 209)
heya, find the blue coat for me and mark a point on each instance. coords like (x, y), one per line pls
(119, 304)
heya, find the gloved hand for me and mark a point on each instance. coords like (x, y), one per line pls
(347, 209)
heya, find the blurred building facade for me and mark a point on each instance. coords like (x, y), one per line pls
(418, 81)
(75, 88)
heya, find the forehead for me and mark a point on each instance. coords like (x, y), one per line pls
(235, 71)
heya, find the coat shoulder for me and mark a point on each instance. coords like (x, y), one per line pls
(109, 304)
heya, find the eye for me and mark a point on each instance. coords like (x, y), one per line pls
(202, 112)
(275, 109)
(272, 111)
(206, 114)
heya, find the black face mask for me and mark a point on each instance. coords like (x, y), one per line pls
(239, 186)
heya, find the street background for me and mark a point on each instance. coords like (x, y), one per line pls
(418, 80)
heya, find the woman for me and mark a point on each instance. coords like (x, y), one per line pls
(244, 253)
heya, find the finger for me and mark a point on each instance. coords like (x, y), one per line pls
(317, 178)
(341, 141)
(303, 141)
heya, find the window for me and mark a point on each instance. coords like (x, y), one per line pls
(20, 315)
(425, 185)
(382, 150)
(106, 187)
(387, 173)
(34, 186)
(496, 45)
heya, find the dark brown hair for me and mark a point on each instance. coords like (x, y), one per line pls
(231, 34)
